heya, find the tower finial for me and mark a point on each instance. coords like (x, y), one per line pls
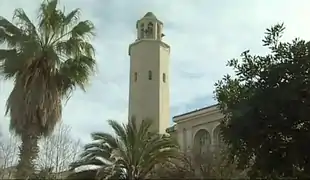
(149, 27)
(150, 15)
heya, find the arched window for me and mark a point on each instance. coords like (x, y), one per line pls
(142, 31)
(202, 142)
(135, 76)
(158, 31)
(150, 75)
(150, 29)
(164, 77)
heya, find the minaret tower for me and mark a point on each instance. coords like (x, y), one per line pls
(149, 75)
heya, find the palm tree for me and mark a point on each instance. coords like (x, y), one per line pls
(47, 61)
(131, 154)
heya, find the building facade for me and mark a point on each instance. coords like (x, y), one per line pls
(196, 131)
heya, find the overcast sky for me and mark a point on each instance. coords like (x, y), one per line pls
(203, 36)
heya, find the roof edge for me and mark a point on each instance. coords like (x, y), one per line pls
(190, 112)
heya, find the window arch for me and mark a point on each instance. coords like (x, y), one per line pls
(142, 30)
(150, 30)
(150, 75)
(158, 31)
(164, 77)
(135, 76)
(202, 142)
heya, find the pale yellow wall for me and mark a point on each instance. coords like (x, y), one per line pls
(149, 99)
(164, 88)
(188, 125)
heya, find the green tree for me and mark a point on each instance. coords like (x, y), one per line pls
(180, 169)
(132, 153)
(47, 61)
(212, 165)
(266, 108)
(216, 165)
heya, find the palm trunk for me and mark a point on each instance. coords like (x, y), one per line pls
(28, 153)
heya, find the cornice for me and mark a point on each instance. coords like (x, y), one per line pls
(196, 114)
(165, 45)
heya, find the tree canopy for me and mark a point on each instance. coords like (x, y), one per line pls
(266, 108)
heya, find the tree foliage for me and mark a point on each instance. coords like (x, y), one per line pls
(180, 169)
(211, 165)
(131, 154)
(47, 61)
(216, 165)
(266, 108)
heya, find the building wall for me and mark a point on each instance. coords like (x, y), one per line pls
(190, 124)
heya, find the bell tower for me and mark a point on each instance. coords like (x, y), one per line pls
(149, 75)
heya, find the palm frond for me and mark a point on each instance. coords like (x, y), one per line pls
(9, 63)
(112, 172)
(134, 151)
(73, 47)
(119, 130)
(103, 152)
(144, 130)
(75, 72)
(86, 162)
(156, 159)
(72, 17)
(11, 35)
(105, 138)
(49, 20)
(97, 145)
(23, 22)
(83, 29)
